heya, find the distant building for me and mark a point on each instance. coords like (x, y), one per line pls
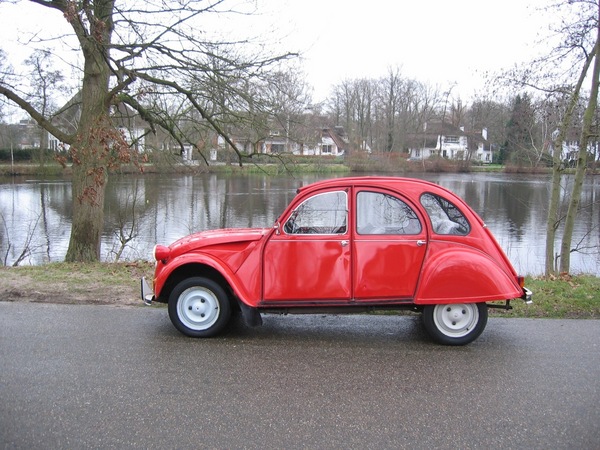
(441, 139)
(125, 119)
(570, 147)
(26, 134)
(327, 142)
(332, 142)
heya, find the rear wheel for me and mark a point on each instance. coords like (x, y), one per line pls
(455, 324)
(199, 307)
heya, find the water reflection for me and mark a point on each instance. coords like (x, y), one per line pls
(144, 210)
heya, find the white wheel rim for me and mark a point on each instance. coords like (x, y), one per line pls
(198, 308)
(456, 320)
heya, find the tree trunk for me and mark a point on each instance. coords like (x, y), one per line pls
(557, 169)
(90, 174)
(91, 151)
(553, 219)
(565, 252)
(88, 217)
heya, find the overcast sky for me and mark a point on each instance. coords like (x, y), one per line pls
(436, 41)
(440, 42)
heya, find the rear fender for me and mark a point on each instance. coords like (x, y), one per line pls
(464, 275)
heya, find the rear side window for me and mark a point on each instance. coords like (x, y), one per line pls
(445, 217)
(378, 213)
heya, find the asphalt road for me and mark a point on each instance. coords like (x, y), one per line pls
(74, 376)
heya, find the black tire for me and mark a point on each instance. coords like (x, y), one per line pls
(455, 324)
(199, 307)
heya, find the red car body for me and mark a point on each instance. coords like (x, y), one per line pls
(345, 245)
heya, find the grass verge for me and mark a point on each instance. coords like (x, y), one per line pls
(576, 297)
(566, 297)
(97, 283)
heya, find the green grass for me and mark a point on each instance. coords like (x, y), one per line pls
(566, 297)
(73, 273)
(576, 297)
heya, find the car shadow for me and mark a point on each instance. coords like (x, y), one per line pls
(364, 328)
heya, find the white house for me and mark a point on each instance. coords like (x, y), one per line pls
(333, 142)
(447, 141)
(570, 147)
(328, 142)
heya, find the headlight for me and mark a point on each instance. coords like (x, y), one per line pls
(161, 253)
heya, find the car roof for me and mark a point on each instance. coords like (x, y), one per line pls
(376, 181)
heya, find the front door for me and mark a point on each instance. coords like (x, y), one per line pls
(309, 260)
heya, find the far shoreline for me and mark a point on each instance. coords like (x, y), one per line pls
(55, 170)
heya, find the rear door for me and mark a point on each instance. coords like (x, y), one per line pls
(389, 246)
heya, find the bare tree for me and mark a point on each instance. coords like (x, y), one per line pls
(365, 95)
(128, 219)
(286, 101)
(562, 71)
(128, 50)
(490, 114)
(390, 99)
(386, 113)
(559, 136)
(586, 133)
(27, 248)
(342, 105)
(45, 82)
(5, 72)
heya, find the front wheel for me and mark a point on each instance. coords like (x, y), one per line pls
(199, 307)
(455, 324)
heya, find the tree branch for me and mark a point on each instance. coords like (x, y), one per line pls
(190, 97)
(38, 117)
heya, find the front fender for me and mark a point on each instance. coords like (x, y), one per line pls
(164, 272)
(464, 275)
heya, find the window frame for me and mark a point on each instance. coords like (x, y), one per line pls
(435, 228)
(340, 230)
(406, 204)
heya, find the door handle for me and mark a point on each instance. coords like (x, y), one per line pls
(344, 243)
(421, 242)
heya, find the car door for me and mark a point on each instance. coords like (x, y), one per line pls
(389, 245)
(308, 260)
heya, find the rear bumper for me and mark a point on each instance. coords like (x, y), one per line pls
(146, 292)
(527, 296)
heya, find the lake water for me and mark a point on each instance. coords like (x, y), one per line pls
(159, 209)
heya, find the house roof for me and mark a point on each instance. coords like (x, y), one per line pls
(428, 138)
(475, 138)
(443, 128)
(337, 135)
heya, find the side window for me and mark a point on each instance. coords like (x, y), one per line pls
(322, 214)
(378, 213)
(445, 217)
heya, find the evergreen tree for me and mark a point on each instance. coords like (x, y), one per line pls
(519, 129)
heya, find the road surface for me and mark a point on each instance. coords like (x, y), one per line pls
(77, 376)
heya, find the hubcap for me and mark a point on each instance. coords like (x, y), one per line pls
(456, 320)
(198, 308)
